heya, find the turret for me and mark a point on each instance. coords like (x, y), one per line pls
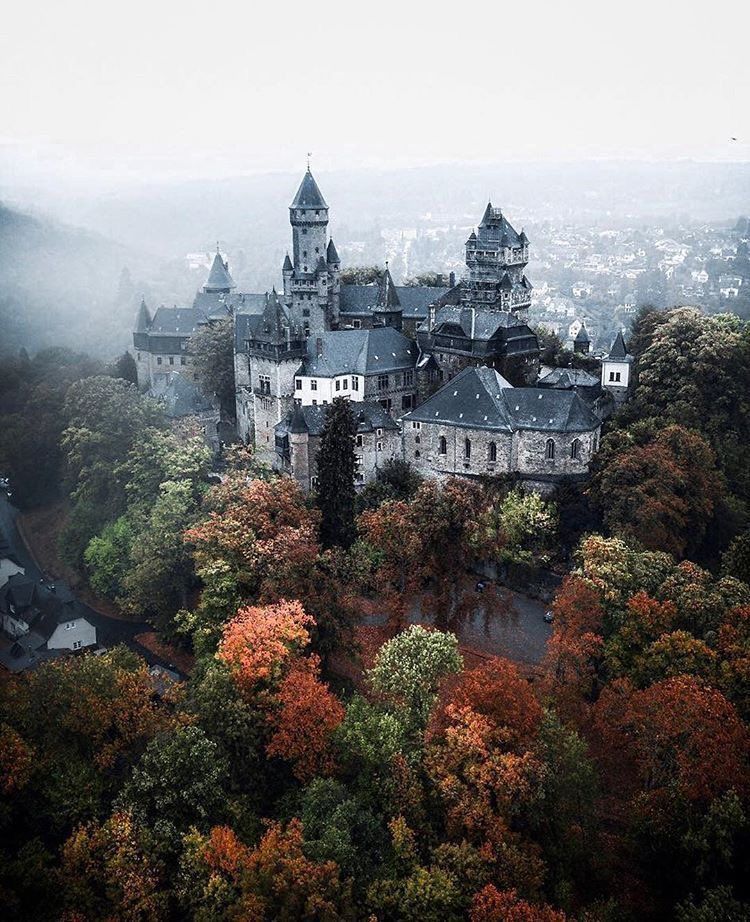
(616, 369)
(219, 279)
(287, 272)
(308, 215)
(582, 342)
(388, 311)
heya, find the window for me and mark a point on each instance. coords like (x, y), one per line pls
(345, 385)
(379, 446)
(385, 403)
(407, 402)
(408, 378)
(443, 445)
(417, 453)
(417, 439)
(305, 311)
(492, 451)
(359, 441)
(264, 382)
(298, 384)
(304, 254)
(139, 356)
(355, 384)
(357, 324)
(158, 360)
(171, 360)
(549, 450)
(379, 433)
(416, 425)
(575, 450)
(69, 625)
(338, 385)
(315, 403)
(614, 376)
(313, 385)
(382, 382)
(467, 448)
(76, 644)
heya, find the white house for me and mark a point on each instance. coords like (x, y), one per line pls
(616, 369)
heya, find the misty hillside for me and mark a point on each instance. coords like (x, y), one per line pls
(59, 286)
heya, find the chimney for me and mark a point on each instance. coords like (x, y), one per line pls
(319, 346)
(430, 318)
(473, 321)
(452, 280)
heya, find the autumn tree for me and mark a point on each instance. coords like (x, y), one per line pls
(336, 467)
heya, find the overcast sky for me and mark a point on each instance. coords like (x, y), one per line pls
(165, 87)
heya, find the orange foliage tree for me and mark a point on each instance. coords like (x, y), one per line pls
(493, 905)
(308, 714)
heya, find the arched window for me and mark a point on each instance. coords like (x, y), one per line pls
(493, 451)
(467, 448)
(443, 445)
(549, 450)
(575, 450)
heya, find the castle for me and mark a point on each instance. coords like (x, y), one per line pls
(445, 378)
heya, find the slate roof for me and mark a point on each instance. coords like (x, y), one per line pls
(219, 278)
(564, 378)
(480, 398)
(143, 319)
(181, 397)
(42, 610)
(362, 300)
(181, 321)
(619, 350)
(287, 267)
(495, 231)
(369, 416)
(363, 352)
(582, 336)
(332, 253)
(308, 195)
(387, 295)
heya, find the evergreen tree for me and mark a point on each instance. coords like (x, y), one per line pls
(336, 467)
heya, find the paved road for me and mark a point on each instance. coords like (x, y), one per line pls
(109, 631)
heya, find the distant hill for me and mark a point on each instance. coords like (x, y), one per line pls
(59, 286)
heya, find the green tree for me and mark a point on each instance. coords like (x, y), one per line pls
(212, 351)
(337, 464)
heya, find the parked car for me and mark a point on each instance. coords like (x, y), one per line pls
(549, 617)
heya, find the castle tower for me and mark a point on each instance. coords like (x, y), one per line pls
(616, 370)
(582, 342)
(275, 349)
(141, 348)
(308, 295)
(388, 311)
(496, 257)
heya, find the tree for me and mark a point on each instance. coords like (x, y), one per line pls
(361, 275)
(212, 350)
(125, 367)
(259, 642)
(396, 479)
(177, 784)
(308, 715)
(736, 559)
(107, 557)
(492, 905)
(660, 486)
(409, 668)
(337, 465)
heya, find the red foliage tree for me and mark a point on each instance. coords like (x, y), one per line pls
(493, 905)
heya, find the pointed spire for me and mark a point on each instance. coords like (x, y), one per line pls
(619, 349)
(582, 336)
(143, 320)
(308, 195)
(332, 254)
(488, 215)
(275, 320)
(297, 422)
(387, 295)
(219, 278)
(288, 267)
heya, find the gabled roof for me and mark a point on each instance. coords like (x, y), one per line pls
(362, 300)
(143, 320)
(368, 416)
(565, 378)
(480, 398)
(619, 350)
(362, 352)
(485, 324)
(308, 195)
(219, 278)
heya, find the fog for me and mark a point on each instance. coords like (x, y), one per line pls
(131, 136)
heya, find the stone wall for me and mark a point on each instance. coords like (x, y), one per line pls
(395, 391)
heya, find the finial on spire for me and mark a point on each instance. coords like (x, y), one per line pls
(309, 154)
